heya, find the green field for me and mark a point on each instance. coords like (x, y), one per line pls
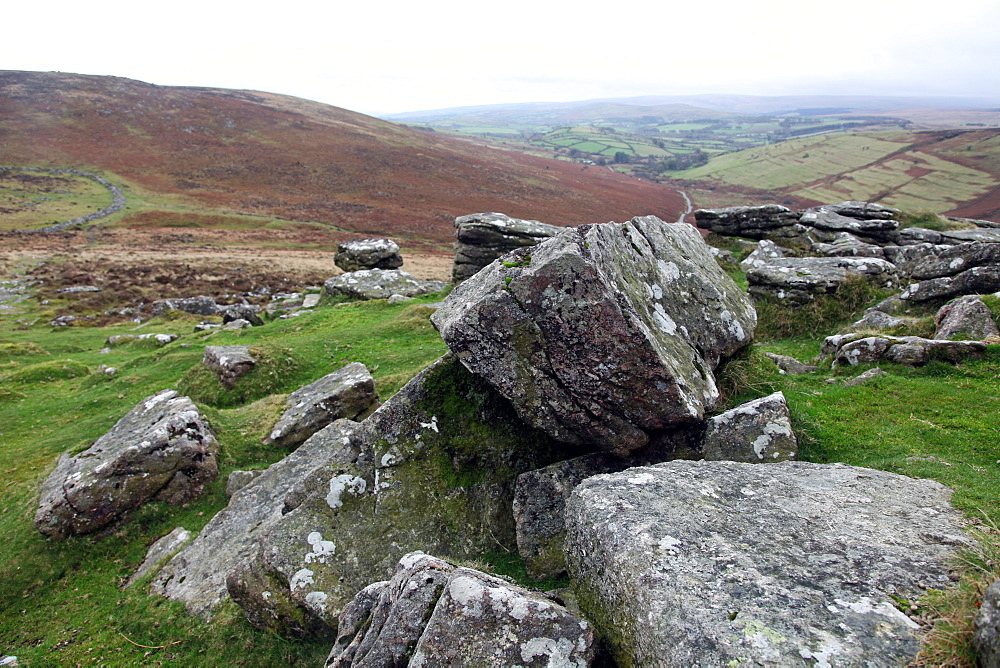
(34, 199)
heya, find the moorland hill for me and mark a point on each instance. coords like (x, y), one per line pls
(266, 157)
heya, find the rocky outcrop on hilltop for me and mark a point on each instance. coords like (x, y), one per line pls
(483, 237)
(379, 284)
(163, 449)
(378, 253)
(603, 333)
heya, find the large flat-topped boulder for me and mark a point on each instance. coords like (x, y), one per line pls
(801, 279)
(379, 284)
(837, 218)
(791, 564)
(957, 259)
(603, 333)
(374, 253)
(348, 392)
(769, 221)
(483, 237)
(163, 449)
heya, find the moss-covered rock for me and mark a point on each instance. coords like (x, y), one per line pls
(435, 472)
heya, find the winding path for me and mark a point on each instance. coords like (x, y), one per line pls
(118, 200)
(687, 201)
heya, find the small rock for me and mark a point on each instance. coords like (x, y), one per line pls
(159, 339)
(230, 362)
(375, 253)
(244, 312)
(311, 300)
(790, 365)
(74, 289)
(200, 305)
(399, 299)
(754, 432)
(966, 317)
(871, 374)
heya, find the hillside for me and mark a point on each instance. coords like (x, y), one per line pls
(956, 172)
(257, 160)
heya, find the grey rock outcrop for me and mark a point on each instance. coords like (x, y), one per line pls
(762, 254)
(483, 237)
(855, 349)
(285, 301)
(156, 339)
(967, 318)
(863, 210)
(242, 312)
(200, 305)
(986, 637)
(375, 253)
(432, 613)
(799, 280)
(196, 576)
(348, 392)
(791, 564)
(237, 480)
(603, 333)
(163, 449)
(975, 281)
(379, 284)
(790, 365)
(770, 221)
(432, 469)
(758, 431)
(836, 218)
(957, 259)
(230, 362)
(165, 547)
(865, 377)
(845, 244)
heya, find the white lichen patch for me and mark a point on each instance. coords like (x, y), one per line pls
(664, 321)
(670, 544)
(266, 595)
(432, 425)
(317, 600)
(865, 606)
(321, 549)
(669, 270)
(468, 593)
(341, 484)
(558, 652)
(642, 479)
(302, 579)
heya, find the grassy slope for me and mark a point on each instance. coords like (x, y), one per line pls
(931, 171)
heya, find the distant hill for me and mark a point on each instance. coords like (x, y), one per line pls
(247, 154)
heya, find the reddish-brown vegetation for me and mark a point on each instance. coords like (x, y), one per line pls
(240, 152)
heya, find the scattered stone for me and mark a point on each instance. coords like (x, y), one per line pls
(966, 317)
(379, 284)
(107, 370)
(165, 547)
(104, 351)
(918, 235)
(790, 365)
(368, 254)
(483, 237)
(200, 305)
(718, 563)
(311, 300)
(237, 324)
(603, 333)
(237, 480)
(762, 254)
(242, 312)
(230, 362)
(770, 221)
(399, 299)
(799, 280)
(284, 301)
(863, 210)
(986, 637)
(871, 374)
(433, 613)
(876, 320)
(8, 661)
(74, 289)
(754, 432)
(829, 219)
(348, 393)
(158, 339)
(845, 244)
(163, 449)
(196, 576)
(206, 326)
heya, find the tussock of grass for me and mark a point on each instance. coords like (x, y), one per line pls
(275, 365)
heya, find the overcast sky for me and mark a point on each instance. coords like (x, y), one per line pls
(395, 56)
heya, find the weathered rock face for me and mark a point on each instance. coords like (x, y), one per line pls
(986, 638)
(196, 576)
(379, 284)
(836, 218)
(433, 469)
(200, 305)
(908, 350)
(758, 431)
(770, 221)
(368, 254)
(801, 279)
(603, 333)
(163, 449)
(230, 362)
(975, 281)
(863, 210)
(242, 312)
(792, 564)
(965, 318)
(755, 432)
(483, 237)
(762, 254)
(158, 551)
(432, 613)
(156, 339)
(348, 392)
(957, 259)
(845, 244)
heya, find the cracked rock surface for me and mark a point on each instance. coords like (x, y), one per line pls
(603, 333)
(162, 449)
